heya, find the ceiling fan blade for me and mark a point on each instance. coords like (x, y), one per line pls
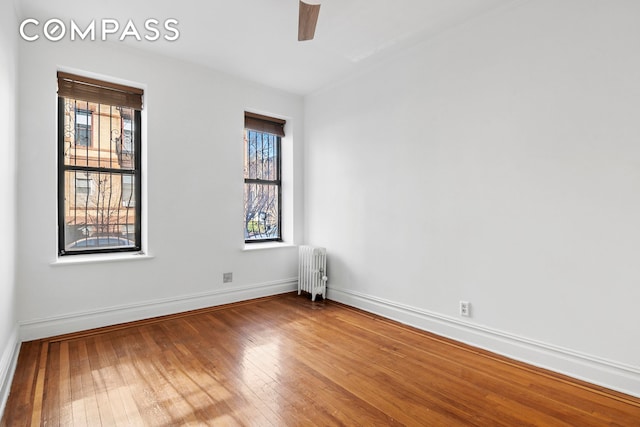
(307, 19)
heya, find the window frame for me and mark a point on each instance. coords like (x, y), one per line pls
(63, 168)
(273, 127)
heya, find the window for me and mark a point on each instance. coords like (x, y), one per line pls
(99, 166)
(83, 188)
(83, 184)
(262, 178)
(83, 128)
(128, 199)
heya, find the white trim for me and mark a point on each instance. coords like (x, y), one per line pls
(266, 245)
(107, 316)
(596, 370)
(100, 258)
(8, 363)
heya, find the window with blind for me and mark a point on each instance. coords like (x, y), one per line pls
(99, 166)
(262, 178)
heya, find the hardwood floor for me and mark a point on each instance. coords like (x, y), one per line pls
(284, 360)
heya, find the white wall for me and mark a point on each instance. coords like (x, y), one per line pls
(194, 119)
(8, 143)
(499, 164)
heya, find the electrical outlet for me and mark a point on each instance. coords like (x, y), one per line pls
(227, 277)
(465, 308)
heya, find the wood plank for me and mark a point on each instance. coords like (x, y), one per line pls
(285, 360)
(65, 414)
(38, 396)
(23, 387)
(99, 388)
(80, 355)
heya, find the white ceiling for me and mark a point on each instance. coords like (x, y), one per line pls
(257, 39)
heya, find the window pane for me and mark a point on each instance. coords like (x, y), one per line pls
(261, 211)
(261, 155)
(99, 210)
(98, 135)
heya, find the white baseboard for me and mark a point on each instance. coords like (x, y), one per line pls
(58, 325)
(8, 362)
(595, 370)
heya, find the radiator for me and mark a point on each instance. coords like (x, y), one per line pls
(312, 271)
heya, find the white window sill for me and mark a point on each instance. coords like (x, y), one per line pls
(100, 258)
(266, 245)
